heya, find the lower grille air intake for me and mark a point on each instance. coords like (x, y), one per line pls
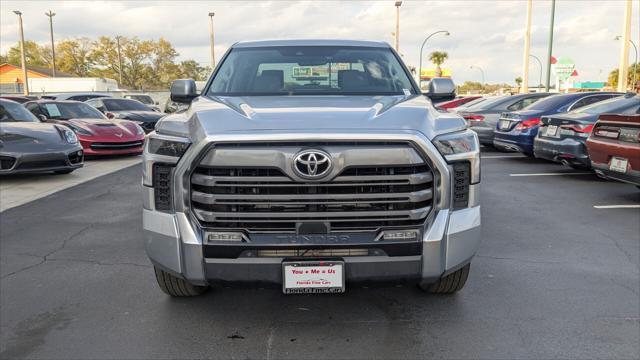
(461, 176)
(162, 186)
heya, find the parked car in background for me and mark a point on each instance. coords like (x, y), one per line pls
(28, 145)
(483, 117)
(614, 147)
(562, 137)
(457, 102)
(145, 99)
(18, 98)
(74, 96)
(97, 134)
(470, 104)
(128, 109)
(516, 130)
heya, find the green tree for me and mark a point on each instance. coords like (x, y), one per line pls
(190, 69)
(613, 76)
(35, 55)
(73, 57)
(438, 58)
(518, 81)
(136, 55)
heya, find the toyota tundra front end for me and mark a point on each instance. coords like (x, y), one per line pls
(311, 164)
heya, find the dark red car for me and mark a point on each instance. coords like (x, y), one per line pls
(97, 134)
(614, 148)
(457, 102)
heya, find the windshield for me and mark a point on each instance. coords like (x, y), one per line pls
(609, 106)
(552, 102)
(10, 111)
(311, 70)
(124, 105)
(71, 110)
(145, 99)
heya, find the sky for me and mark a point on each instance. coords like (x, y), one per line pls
(485, 34)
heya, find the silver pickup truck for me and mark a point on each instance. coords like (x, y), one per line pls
(311, 164)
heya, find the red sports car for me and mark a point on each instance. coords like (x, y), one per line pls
(97, 134)
(457, 102)
(614, 148)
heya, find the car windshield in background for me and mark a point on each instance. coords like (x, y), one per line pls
(142, 98)
(124, 105)
(10, 112)
(71, 110)
(314, 70)
(488, 103)
(615, 105)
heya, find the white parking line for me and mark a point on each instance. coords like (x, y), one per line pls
(553, 174)
(616, 206)
(503, 157)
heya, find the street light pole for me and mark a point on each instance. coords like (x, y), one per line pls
(212, 41)
(51, 14)
(446, 33)
(524, 87)
(623, 68)
(481, 72)
(550, 45)
(119, 62)
(398, 4)
(539, 63)
(25, 85)
(635, 66)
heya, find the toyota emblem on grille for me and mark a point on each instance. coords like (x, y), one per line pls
(312, 164)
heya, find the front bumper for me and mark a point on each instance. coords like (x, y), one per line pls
(92, 151)
(70, 159)
(570, 150)
(174, 244)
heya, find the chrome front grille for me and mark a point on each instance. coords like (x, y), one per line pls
(260, 198)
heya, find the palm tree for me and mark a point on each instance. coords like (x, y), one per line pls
(438, 58)
(518, 81)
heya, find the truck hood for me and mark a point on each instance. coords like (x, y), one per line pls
(311, 113)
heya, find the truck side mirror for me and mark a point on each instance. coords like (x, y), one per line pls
(183, 91)
(441, 89)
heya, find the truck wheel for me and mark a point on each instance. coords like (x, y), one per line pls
(450, 283)
(176, 286)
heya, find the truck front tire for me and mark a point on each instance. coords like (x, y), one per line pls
(449, 284)
(176, 286)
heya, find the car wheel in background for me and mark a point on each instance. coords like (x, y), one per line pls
(176, 286)
(449, 284)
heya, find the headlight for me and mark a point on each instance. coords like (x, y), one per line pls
(174, 147)
(139, 130)
(461, 146)
(69, 135)
(79, 130)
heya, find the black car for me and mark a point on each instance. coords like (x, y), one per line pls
(128, 109)
(562, 137)
(483, 117)
(28, 145)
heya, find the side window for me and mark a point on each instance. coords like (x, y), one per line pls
(589, 100)
(79, 98)
(97, 104)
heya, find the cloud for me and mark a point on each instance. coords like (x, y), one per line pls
(489, 34)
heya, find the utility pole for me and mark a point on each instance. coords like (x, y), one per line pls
(398, 4)
(539, 63)
(25, 85)
(51, 14)
(446, 33)
(623, 69)
(119, 62)
(212, 41)
(524, 87)
(550, 45)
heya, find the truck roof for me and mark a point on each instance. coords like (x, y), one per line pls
(310, 42)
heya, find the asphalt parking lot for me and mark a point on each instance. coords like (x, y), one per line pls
(555, 277)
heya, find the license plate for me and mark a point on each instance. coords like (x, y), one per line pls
(504, 124)
(312, 277)
(618, 165)
(552, 130)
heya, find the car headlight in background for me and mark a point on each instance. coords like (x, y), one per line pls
(139, 130)
(79, 130)
(461, 146)
(174, 147)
